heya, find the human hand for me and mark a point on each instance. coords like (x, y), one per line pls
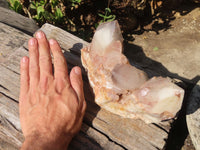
(51, 106)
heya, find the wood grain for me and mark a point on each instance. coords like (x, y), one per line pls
(10, 40)
(15, 20)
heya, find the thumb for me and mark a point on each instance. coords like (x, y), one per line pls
(77, 82)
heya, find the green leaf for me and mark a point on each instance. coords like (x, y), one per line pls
(36, 3)
(101, 15)
(108, 10)
(40, 10)
(155, 48)
(96, 25)
(11, 2)
(42, 2)
(58, 13)
(15, 5)
(54, 3)
(32, 5)
(109, 17)
(113, 18)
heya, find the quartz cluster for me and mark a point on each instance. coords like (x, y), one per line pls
(120, 87)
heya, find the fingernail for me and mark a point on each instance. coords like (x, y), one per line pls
(77, 70)
(24, 59)
(32, 41)
(39, 34)
(52, 41)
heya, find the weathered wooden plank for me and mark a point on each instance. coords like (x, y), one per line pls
(101, 139)
(67, 41)
(6, 145)
(12, 62)
(90, 139)
(17, 21)
(4, 3)
(10, 40)
(9, 110)
(80, 142)
(10, 130)
(132, 134)
(9, 82)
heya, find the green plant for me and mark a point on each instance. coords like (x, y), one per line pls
(44, 14)
(15, 5)
(107, 16)
(38, 6)
(58, 14)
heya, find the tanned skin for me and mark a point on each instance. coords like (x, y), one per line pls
(52, 105)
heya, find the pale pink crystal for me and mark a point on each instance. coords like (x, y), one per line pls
(122, 88)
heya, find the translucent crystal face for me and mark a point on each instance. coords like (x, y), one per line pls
(105, 34)
(128, 77)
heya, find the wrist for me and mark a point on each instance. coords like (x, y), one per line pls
(44, 143)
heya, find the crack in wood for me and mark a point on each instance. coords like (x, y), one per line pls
(109, 138)
(25, 48)
(160, 127)
(9, 132)
(11, 124)
(11, 69)
(93, 141)
(4, 87)
(9, 97)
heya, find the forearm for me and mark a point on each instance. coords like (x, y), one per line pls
(39, 143)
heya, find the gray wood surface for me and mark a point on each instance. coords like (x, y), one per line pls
(4, 3)
(100, 130)
(17, 21)
(10, 40)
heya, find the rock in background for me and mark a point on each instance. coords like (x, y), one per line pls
(193, 116)
(173, 51)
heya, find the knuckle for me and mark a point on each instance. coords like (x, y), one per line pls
(71, 114)
(23, 68)
(44, 59)
(45, 83)
(33, 67)
(59, 61)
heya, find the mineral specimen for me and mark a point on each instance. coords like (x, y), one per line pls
(122, 88)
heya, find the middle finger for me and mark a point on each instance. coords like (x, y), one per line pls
(44, 55)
